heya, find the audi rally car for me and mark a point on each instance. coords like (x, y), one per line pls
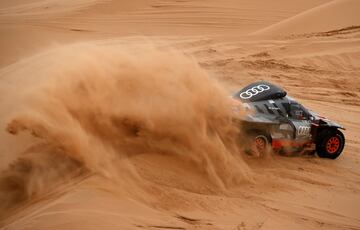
(277, 120)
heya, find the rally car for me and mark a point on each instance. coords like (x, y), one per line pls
(278, 121)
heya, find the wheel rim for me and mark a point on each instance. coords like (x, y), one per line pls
(333, 145)
(260, 143)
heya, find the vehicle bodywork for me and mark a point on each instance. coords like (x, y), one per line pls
(286, 123)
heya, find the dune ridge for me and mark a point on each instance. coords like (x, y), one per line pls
(335, 15)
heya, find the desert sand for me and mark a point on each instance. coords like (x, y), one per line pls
(115, 114)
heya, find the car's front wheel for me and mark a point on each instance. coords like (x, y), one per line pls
(330, 143)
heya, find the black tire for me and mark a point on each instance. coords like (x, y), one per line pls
(330, 143)
(261, 137)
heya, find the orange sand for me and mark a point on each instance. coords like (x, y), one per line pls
(114, 115)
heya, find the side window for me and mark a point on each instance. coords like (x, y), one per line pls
(298, 112)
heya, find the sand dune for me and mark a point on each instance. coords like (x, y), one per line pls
(102, 127)
(47, 23)
(330, 16)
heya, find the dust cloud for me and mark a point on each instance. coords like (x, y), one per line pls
(105, 107)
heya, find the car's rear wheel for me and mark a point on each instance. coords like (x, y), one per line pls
(259, 143)
(330, 143)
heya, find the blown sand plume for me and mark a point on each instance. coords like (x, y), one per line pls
(105, 106)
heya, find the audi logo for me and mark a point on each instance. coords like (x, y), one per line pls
(254, 91)
(303, 130)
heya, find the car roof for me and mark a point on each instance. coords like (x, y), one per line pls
(259, 91)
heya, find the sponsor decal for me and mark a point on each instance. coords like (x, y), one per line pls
(273, 108)
(254, 91)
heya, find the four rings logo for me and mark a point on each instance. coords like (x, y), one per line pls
(303, 130)
(254, 91)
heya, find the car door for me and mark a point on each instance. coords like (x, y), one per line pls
(299, 117)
